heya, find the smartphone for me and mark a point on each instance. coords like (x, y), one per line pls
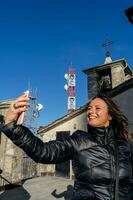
(22, 115)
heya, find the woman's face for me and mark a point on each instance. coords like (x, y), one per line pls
(97, 113)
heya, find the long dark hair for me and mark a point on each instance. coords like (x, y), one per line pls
(119, 121)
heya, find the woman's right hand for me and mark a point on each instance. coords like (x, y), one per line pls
(20, 105)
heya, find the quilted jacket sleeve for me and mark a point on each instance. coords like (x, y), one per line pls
(52, 152)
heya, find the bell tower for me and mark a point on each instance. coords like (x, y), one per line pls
(111, 74)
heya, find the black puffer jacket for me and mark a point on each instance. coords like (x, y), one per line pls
(94, 160)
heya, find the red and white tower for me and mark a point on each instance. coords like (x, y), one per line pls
(70, 87)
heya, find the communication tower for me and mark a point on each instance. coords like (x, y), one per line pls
(70, 87)
(33, 113)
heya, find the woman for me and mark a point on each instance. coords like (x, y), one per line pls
(101, 158)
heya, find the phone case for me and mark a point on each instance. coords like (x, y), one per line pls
(21, 117)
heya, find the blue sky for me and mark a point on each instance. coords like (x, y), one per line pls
(40, 38)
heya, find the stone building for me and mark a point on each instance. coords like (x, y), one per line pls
(108, 76)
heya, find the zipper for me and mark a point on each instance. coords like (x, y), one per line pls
(112, 165)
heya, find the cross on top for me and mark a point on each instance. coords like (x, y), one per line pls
(106, 45)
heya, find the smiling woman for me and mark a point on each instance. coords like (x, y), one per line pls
(97, 114)
(101, 158)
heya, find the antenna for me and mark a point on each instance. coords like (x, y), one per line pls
(33, 113)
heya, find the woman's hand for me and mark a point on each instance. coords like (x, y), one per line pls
(19, 106)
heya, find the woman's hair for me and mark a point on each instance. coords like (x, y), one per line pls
(119, 121)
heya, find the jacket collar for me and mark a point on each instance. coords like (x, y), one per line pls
(104, 135)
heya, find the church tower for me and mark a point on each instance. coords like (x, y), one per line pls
(111, 74)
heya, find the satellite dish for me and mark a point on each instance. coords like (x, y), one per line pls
(66, 87)
(39, 106)
(66, 76)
